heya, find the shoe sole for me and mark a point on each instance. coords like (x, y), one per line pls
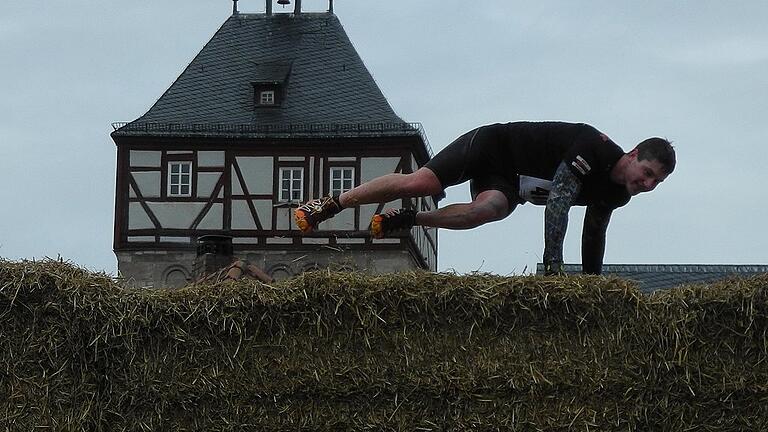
(377, 231)
(301, 222)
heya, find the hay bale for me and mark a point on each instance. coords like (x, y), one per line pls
(411, 351)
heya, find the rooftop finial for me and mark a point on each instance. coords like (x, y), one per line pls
(234, 7)
(330, 6)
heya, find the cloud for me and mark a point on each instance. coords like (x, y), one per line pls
(732, 51)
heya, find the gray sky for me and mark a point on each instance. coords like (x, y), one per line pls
(695, 72)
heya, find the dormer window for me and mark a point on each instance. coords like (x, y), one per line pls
(270, 84)
(267, 95)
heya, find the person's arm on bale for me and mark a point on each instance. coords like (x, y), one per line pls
(565, 189)
(593, 239)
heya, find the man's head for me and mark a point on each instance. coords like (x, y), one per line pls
(647, 165)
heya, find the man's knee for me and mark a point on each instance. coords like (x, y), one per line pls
(489, 206)
(423, 182)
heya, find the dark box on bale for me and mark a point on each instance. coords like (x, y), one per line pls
(213, 253)
(411, 351)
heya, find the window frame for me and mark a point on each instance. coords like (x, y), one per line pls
(180, 184)
(343, 169)
(263, 88)
(281, 191)
(267, 97)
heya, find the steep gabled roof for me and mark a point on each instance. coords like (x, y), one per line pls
(652, 277)
(325, 80)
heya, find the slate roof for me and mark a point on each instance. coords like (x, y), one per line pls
(272, 72)
(327, 82)
(652, 277)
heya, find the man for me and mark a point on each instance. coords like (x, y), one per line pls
(545, 163)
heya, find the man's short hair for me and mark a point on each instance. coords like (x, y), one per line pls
(657, 149)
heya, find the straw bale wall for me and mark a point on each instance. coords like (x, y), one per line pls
(405, 352)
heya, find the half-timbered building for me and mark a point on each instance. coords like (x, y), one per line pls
(276, 108)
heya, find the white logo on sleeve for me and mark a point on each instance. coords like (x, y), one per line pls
(581, 165)
(535, 190)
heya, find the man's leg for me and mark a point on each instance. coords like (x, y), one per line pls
(387, 188)
(390, 187)
(448, 167)
(488, 206)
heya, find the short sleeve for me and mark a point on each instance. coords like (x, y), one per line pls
(592, 152)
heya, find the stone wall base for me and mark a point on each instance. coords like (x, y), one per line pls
(172, 269)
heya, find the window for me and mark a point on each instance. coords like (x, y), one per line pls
(342, 180)
(292, 184)
(267, 97)
(180, 179)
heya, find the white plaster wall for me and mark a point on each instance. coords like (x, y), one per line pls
(145, 158)
(141, 239)
(148, 183)
(315, 165)
(315, 240)
(264, 211)
(245, 240)
(214, 219)
(280, 240)
(377, 167)
(236, 189)
(342, 221)
(257, 173)
(138, 218)
(179, 215)
(241, 215)
(371, 168)
(210, 159)
(169, 239)
(285, 219)
(206, 182)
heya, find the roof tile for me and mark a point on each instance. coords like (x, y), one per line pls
(327, 80)
(652, 277)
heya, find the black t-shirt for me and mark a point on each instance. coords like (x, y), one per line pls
(534, 150)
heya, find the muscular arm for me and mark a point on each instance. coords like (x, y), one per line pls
(593, 239)
(565, 189)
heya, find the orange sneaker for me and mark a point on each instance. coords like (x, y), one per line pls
(311, 213)
(392, 221)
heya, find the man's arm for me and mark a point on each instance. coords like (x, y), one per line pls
(565, 189)
(593, 239)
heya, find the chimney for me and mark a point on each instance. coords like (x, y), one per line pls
(234, 7)
(269, 7)
(297, 10)
(330, 6)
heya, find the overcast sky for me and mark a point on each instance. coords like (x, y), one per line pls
(695, 72)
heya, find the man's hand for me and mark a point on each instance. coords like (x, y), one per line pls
(554, 269)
